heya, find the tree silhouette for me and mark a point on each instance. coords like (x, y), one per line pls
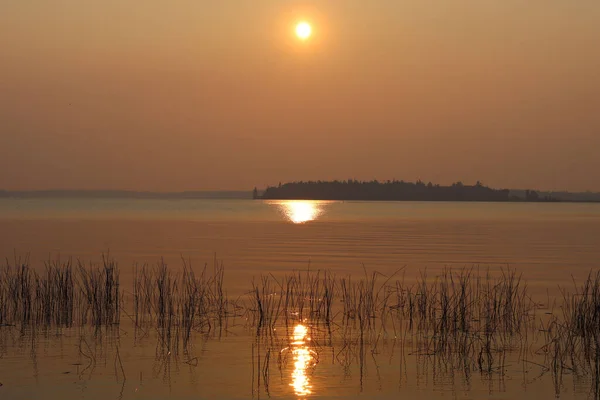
(388, 190)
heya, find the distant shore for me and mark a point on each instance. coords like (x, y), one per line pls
(275, 193)
(124, 194)
(412, 191)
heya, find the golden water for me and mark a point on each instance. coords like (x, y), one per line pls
(549, 243)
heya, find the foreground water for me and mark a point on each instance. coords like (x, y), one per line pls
(550, 244)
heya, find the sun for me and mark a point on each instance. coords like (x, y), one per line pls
(303, 30)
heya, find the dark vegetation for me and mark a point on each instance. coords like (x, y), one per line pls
(392, 190)
(63, 295)
(467, 320)
(589, 197)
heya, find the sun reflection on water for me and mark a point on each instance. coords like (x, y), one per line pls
(303, 360)
(301, 211)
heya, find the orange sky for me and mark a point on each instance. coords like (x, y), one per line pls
(198, 94)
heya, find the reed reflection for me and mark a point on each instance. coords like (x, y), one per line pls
(304, 360)
(301, 211)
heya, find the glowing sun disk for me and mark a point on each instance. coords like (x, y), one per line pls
(303, 30)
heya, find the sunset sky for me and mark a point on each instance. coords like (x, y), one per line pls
(220, 94)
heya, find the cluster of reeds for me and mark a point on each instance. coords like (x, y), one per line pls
(572, 337)
(465, 315)
(61, 295)
(465, 318)
(100, 296)
(461, 315)
(296, 297)
(178, 303)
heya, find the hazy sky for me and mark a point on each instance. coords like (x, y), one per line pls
(219, 94)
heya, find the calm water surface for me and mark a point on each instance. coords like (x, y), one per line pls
(549, 243)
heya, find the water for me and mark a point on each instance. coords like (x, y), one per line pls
(551, 244)
(547, 242)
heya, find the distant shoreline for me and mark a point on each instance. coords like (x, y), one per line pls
(125, 194)
(413, 191)
(518, 194)
(435, 201)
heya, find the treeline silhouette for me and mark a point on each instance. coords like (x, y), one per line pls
(390, 190)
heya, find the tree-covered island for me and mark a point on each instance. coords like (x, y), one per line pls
(391, 191)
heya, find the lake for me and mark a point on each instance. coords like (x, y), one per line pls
(550, 245)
